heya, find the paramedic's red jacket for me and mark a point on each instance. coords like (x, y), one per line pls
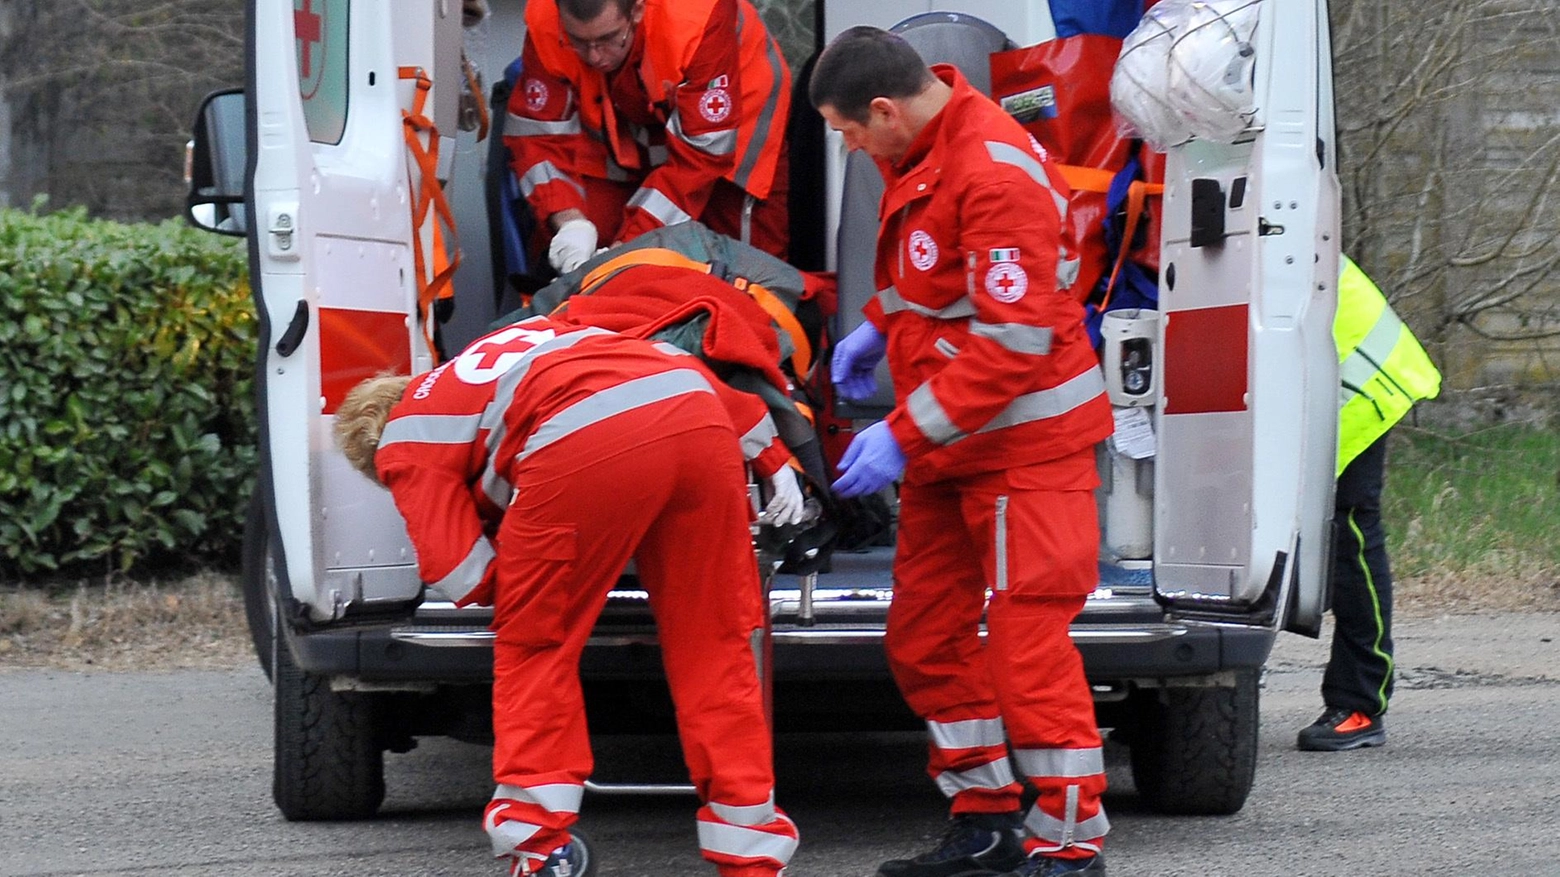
(704, 95)
(450, 447)
(992, 367)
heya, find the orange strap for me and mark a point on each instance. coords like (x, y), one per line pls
(475, 87)
(1092, 179)
(665, 258)
(434, 285)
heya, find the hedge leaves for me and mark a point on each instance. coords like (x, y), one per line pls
(127, 429)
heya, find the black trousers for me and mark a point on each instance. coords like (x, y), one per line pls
(1359, 673)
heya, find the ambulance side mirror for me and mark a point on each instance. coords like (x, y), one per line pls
(215, 162)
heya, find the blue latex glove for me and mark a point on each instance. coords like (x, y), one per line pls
(871, 463)
(855, 361)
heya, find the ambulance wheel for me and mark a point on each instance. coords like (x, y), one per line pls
(255, 583)
(1194, 750)
(328, 762)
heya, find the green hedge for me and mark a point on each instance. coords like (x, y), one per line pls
(127, 428)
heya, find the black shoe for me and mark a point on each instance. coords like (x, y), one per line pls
(973, 843)
(1340, 729)
(570, 860)
(1048, 866)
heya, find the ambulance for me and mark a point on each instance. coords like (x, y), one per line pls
(346, 164)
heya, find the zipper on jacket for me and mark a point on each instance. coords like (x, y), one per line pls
(1002, 553)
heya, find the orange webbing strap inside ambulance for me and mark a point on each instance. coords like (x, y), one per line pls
(665, 258)
(1093, 179)
(428, 194)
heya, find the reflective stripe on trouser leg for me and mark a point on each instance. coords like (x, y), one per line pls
(933, 647)
(1037, 671)
(737, 837)
(517, 814)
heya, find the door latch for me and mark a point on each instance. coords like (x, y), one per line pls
(282, 232)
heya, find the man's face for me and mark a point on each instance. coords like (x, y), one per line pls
(881, 136)
(604, 41)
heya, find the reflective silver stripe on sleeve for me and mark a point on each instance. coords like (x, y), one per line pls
(991, 775)
(670, 349)
(1000, 531)
(496, 487)
(1365, 360)
(613, 401)
(749, 814)
(1017, 337)
(1007, 153)
(1067, 271)
(933, 421)
(758, 439)
(466, 575)
(1085, 762)
(1061, 833)
(544, 172)
(521, 126)
(553, 797)
(431, 429)
(722, 142)
(893, 303)
(766, 116)
(967, 734)
(653, 202)
(746, 843)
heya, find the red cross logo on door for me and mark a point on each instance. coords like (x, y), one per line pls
(309, 31)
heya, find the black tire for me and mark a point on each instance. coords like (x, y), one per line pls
(328, 761)
(254, 581)
(1194, 750)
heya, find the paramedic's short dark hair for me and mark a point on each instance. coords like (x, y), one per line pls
(587, 10)
(865, 63)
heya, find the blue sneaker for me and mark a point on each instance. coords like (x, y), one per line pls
(973, 843)
(570, 860)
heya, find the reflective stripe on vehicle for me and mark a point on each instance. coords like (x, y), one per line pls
(967, 734)
(467, 574)
(933, 421)
(1017, 337)
(613, 401)
(992, 775)
(655, 203)
(522, 126)
(892, 303)
(722, 142)
(1061, 833)
(544, 172)
(1071, 763)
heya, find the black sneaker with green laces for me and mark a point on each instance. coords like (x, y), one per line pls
(973, 843)
(1339, 728)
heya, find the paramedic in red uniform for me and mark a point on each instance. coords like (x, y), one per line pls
(529, 470)
(998, 403)
(631, 115)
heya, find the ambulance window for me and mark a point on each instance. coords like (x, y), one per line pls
(320, 28)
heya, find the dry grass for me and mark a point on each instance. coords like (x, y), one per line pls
(196, 622)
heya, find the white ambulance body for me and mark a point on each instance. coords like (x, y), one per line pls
(1232, 502)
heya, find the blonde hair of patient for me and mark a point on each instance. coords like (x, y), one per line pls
(360, 419)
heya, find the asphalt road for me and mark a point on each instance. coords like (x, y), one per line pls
(169, 774)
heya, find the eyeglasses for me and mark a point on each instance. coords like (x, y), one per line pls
(611, 41)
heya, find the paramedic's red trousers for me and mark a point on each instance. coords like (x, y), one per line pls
(1036, 549)
(678, 504)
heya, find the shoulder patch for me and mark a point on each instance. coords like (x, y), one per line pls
(535, 94)
(715, 105)
(1006, 282)
(923, 250)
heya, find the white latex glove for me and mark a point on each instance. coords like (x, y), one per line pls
(788, 503)
(572, 244)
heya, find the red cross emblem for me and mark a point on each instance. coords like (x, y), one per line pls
(535, 94)
(923, 250)
(715, 105)
(309, 31)
(1006, 282)
(488, 358)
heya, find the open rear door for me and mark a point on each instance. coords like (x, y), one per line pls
(335, 280)
(1248, 286)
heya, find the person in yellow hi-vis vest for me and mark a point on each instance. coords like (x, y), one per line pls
(1382, 372)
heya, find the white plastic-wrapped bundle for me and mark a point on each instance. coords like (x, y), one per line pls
(1139, 85)
(1211, 66)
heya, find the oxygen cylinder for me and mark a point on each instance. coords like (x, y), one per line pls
(1130, 339)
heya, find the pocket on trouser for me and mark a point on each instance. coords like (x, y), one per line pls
(535, 583)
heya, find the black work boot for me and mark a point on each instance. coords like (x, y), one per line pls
(1340, 729)
(973, 843)
(1049, 866)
